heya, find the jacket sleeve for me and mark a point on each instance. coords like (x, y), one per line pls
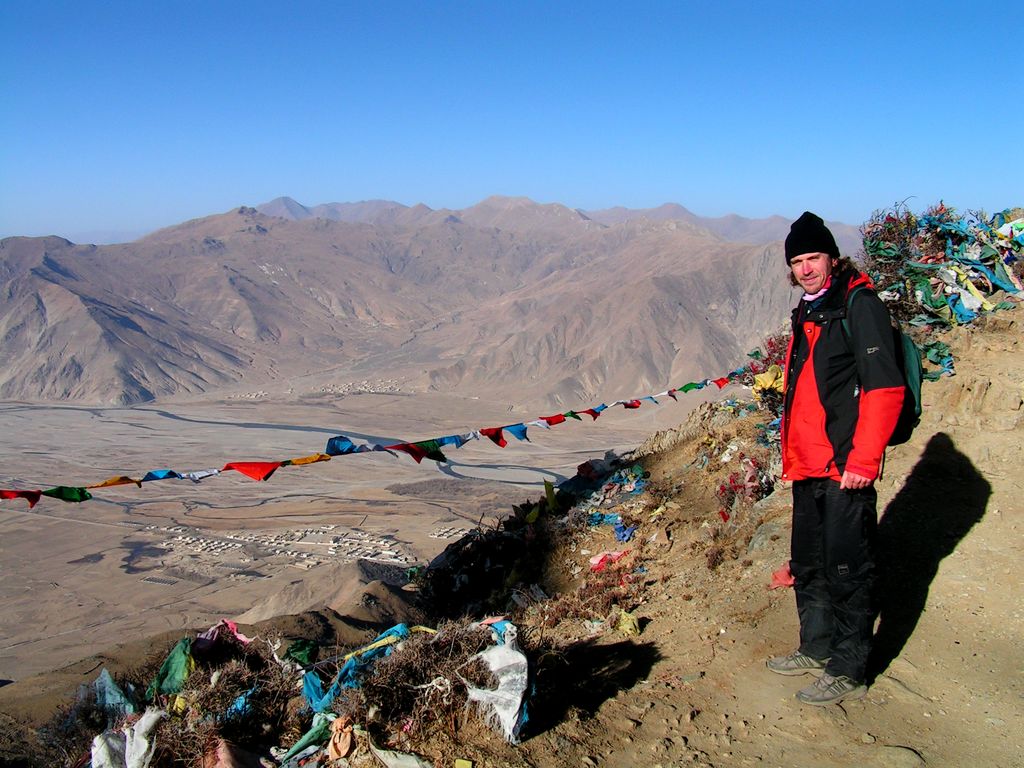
(881, 381)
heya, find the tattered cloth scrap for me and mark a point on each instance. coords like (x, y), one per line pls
(601, 561)
(504, 706)
(623, 532)
(782, 578)
(215, 636)
(317, 735)
(303, 650)
(769, 381)
(129, 746)
(111, 699)
(628, 624)
(593, 469)
(343, 740)
(604, 518)
(175, 670)
(355, 663)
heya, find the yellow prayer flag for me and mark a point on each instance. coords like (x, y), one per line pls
(119, 480)
(769, 380)
(310, 459)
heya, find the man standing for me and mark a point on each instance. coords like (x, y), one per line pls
(843, 392)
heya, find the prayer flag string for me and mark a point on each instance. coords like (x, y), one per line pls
(340, 445)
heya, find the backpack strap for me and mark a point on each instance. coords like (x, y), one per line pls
(849, 300)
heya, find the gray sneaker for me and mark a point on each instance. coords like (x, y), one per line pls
(831, 690)
(795, 664)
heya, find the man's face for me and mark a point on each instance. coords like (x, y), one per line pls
(811, 270)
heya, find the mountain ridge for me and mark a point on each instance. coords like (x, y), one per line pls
(500, 294)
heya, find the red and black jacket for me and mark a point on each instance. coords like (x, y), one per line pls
(840, 410)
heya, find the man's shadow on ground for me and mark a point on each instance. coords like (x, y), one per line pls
(943, 498)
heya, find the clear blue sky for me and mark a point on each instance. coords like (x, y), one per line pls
(128, 116)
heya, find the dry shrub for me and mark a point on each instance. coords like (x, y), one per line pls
(715, 555)
(210, 692)
(69, 733)
(593, 600)
(420, 685)
(23, 747)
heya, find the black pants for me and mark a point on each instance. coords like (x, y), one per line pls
(833, 566)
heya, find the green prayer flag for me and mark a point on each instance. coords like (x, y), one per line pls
(174, 671)
(549, 492)
(303, 651)
(433, 450)
(66, 493)
(319, 733)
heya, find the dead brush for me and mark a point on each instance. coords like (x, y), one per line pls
(242, 700)
(421, 684)
(20, 746)
(69, 733)
(593, 599)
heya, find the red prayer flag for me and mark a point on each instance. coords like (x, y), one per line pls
(721, 382)
(32, 497)
(257, 470)
(495, 434)
(631, 404)
(593, 414)
(552, 420)
(412, 449)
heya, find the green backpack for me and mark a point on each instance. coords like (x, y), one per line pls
(913, 376)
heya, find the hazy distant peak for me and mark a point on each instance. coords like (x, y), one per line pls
(505, 201)
(285, 208)
(362, 212)
(664, 212)
(520, 212)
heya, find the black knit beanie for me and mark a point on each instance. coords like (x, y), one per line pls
(808, 234)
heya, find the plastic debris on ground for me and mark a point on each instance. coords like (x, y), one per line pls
(782, 578)
(504, 706)
(601, 561)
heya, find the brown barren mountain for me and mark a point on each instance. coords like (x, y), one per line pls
(501, 294)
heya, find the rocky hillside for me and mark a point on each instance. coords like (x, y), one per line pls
(682, 681)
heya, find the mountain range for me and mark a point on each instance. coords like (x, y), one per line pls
(510, 298)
